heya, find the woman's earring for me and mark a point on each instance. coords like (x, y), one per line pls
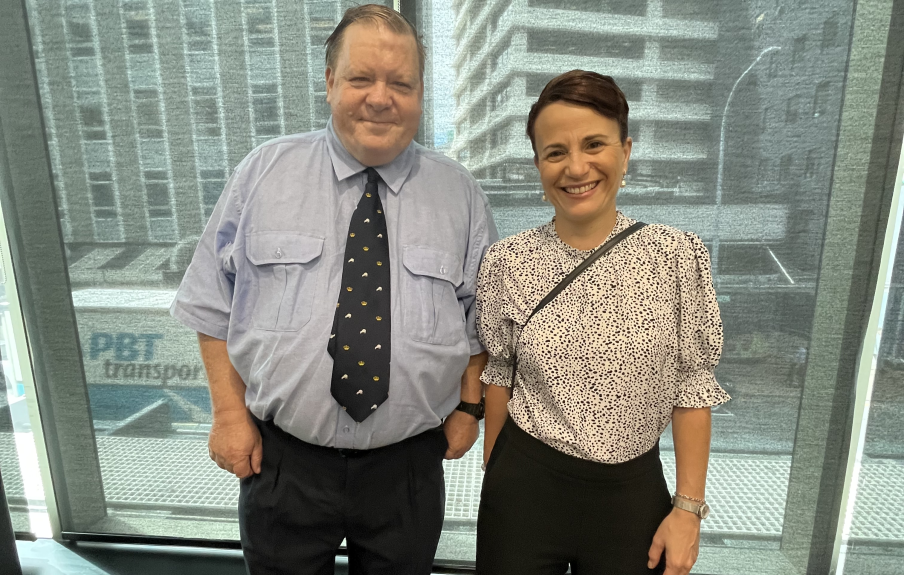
(544, 198)
(623, 182)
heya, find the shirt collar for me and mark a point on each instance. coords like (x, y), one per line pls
(345, 165)
(622, 222)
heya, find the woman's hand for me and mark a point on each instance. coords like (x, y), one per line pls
(679, 536)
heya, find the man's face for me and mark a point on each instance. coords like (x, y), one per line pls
(375, 93)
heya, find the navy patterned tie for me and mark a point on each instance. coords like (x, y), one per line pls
(360, 338)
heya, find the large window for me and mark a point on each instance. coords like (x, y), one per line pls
(749, 131)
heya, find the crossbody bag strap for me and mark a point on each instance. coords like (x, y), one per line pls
(588, 261)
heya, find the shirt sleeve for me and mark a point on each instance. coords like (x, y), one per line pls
(204, 299)
(483, 234)
(699, 329)
(495, 329)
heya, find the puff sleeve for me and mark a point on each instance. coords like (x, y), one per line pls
(699, 328)
(496, 331)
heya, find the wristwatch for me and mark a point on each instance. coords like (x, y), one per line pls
(475, 409)
(701, 510)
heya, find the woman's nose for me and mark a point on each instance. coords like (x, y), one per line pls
(577, 165)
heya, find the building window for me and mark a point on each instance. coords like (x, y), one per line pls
(620, 7)
(212, 184)
(829, 33)
(206, 111)
(684, 10)
(103, 198)
(198, 30)
(672, 92)
(80, 31)
(587, 44)
(792, 110)
(798, 50)
(821, 99)
(138, 28)
(93, 121)
(811, 165)
(259, 22)
(786, 165)
(683, 50)
(156, 186)
(772, 67)
(265, 105)
(148, 118)
(764, 171)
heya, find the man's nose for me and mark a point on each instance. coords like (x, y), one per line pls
(378, 97)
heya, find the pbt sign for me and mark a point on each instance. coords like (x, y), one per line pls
(130, 356)
(124, 346)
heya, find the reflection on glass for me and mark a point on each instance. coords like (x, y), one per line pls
(147, 118)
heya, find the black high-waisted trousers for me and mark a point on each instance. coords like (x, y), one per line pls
(542, 511)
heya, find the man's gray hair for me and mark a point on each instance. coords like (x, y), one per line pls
(379, 15)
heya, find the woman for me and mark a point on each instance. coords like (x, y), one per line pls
(573, 475)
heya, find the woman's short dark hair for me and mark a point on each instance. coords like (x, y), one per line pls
(581, 88)
(373, 14)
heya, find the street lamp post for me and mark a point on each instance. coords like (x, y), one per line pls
(721, 166)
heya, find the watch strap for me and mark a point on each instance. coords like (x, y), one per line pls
(701, 510)
(475, 409)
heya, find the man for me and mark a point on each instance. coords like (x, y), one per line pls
(328, 254)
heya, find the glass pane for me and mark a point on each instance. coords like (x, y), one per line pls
(13, 422)
(766, 77)
(18, 455)
(156, 130)
(875, 540)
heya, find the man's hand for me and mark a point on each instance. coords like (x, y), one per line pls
(461, 432)
(679, 536)
(235, 443)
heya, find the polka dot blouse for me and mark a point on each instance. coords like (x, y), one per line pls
(602, 365)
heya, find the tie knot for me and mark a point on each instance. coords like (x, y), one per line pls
(372, 176)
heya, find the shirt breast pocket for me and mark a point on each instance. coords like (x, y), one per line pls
(286, 266)
(431, 312)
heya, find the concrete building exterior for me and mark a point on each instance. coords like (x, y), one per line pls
(734, 115)
(149, 105)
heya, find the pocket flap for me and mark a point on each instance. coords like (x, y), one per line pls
(434, 263)
(282, 247)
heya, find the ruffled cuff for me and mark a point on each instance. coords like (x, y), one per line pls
(498, 372)
(698, 389)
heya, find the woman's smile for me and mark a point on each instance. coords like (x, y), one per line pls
(580, 189)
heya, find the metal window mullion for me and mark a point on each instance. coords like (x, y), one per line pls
(866, 372)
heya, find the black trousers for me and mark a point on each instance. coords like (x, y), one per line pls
(542, 510)
(387, 503)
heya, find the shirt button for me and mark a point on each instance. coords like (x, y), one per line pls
(278, 253)
(442, 269)
(346, 429)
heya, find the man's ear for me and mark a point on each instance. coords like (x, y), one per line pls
(330, 78)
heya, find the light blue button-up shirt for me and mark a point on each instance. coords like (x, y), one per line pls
(266, 277)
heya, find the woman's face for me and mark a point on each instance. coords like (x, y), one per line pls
(581, 160)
